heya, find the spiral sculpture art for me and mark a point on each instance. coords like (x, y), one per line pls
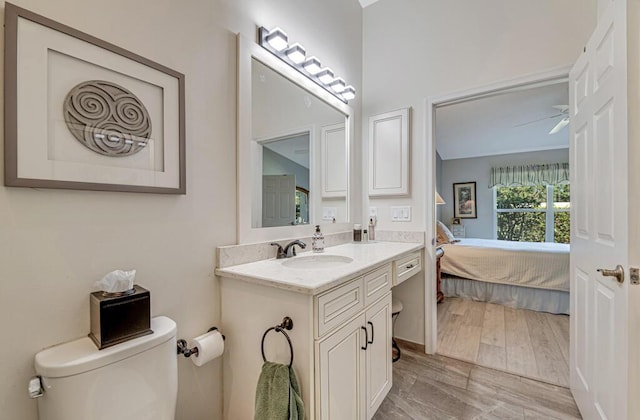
(107, 118)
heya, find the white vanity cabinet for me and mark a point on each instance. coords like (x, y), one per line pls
(353, 365)
(341, 333)
(341, 339)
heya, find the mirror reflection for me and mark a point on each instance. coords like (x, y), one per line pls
(299, 154)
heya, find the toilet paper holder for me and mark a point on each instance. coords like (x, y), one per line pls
(188, 352)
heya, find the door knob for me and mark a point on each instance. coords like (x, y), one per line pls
(618, 273)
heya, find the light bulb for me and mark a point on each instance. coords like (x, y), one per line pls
(277, 38)
(296, 53)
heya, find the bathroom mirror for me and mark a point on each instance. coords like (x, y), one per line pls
(293, 151)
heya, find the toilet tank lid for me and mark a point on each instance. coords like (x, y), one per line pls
(82, 355)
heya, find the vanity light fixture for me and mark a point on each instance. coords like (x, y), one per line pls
(296, 53)
(312, 66)
(326, 76)
(277, 39)
(349, 93)
(338, 85)
(276, 42)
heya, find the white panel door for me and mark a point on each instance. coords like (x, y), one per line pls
(334, 160)
(599, 219)
(378, 355)
(278, 200)
(341, 370)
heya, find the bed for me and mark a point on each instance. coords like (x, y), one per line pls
(528, 275)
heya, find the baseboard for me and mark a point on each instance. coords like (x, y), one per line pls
(410, 345)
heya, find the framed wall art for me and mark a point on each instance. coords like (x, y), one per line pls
(86, 114)
(464, 200)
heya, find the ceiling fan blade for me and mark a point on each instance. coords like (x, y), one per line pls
(562, 124)
(539, 119)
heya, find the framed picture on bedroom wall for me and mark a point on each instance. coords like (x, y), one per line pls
(464, 200)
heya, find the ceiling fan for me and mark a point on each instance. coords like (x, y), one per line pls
(564, 113)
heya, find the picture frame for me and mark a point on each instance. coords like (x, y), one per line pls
(464, 200)
(456, 221)
(86, 114)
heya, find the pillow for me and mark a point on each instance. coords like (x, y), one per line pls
(444, 235)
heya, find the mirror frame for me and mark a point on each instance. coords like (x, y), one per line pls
(248, 50)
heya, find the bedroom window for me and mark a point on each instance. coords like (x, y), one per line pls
(522, 213)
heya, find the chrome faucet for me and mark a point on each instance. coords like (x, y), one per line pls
(289, 250)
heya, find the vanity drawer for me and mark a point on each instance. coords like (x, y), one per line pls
(377, 283)
(338, 305)
(406, 267)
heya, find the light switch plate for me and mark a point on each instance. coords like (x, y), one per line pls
(329, 213)
(373, 211)
(401, 214)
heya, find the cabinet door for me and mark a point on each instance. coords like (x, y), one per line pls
(334, 160)
(389, 153)
(378, 356)
(341, 368)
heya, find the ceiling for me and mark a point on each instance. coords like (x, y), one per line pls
(489, 126)
(295, 148)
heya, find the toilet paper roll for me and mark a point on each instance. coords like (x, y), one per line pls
(210, 346)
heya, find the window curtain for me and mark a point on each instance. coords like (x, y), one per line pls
(530, 175)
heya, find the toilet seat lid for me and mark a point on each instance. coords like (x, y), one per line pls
(82, 355)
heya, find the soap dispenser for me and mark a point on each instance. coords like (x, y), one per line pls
(317, 240)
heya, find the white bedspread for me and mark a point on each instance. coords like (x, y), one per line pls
(531, 264)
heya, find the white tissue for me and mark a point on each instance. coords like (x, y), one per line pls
(117, 281)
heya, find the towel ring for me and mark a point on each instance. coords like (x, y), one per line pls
(287, 324)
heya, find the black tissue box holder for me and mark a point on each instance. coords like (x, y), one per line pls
(119, 317)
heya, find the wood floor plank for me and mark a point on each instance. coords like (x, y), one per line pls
(503, 338)
(552, 401)
(520, 356)
(444, 316)
(493, 330)
(475, 313)
(467, 341)
(425, 387)
(560, 328)
(492, 356)
(551, 363)
(459, 306)
(449, 335)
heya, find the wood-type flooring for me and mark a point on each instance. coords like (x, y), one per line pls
(438, 387)
(519, 341)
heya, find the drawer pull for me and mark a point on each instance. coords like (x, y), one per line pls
(366, 338)
(409, 266)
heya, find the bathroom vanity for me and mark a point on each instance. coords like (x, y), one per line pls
(339, 301)
(340, 304)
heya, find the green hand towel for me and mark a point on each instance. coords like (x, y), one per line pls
(278, 394)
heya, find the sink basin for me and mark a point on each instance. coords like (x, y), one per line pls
(317, 261)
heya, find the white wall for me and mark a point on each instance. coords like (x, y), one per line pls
(477, 170)
(276, 164)
(54, 244)
(439, 47)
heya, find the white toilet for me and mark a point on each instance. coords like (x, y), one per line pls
(137, 379)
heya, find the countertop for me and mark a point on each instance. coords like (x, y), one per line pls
(366, 256)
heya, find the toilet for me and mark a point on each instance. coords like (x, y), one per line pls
(136, 379)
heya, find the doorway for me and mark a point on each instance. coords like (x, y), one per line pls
(490, 92)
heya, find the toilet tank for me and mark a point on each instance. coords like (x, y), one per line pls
(134, 380)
